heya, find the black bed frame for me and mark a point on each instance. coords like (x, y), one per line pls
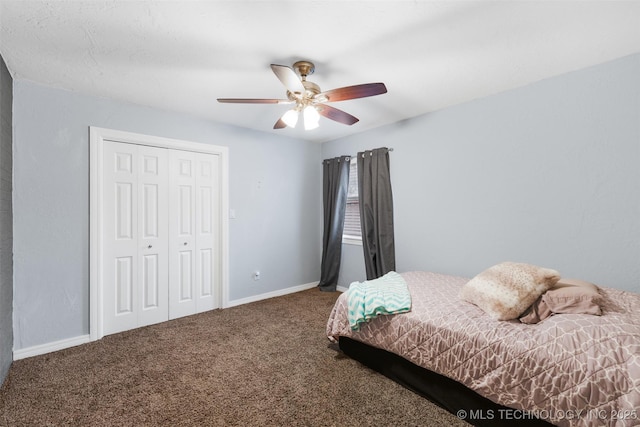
(444, 392)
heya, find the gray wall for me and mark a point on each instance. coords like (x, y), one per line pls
(6, 222)
(276, 229)
(547, 174)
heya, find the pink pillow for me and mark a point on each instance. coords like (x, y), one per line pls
(568, 296)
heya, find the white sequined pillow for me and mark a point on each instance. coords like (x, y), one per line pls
(506, 290)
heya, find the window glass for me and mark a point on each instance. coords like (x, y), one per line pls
(352, 232)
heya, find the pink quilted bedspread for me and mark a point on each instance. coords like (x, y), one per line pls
(570, 369)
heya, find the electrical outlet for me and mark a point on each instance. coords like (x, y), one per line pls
(256, 275)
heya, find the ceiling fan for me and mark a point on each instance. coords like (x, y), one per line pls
(309, 99)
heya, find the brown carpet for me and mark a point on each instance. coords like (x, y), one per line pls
(267, 363)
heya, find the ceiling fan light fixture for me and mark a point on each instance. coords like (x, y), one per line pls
(311, 117)
(290, 118)
(308, 97)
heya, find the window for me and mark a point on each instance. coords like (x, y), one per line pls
(352, 233)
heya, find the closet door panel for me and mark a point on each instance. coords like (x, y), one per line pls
(182, 257)
(151, 283)
(135, 285)
(124, 286)
(120, 294)
(153, 239)
(185, 276)
(207, 219)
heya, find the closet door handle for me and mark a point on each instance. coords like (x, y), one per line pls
(149, 247)
(185, 243)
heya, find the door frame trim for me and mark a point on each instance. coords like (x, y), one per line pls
(97, 136)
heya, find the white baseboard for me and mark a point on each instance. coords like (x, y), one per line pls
(273, 294)
(37, 350)
(342, 289)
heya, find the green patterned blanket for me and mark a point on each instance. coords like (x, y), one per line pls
(385, 295)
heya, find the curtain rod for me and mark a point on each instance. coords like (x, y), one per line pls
(349, 156)
(371, 152)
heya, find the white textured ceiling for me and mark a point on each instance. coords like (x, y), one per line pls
(182, 55)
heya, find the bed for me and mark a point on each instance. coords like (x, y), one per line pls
(568, 370)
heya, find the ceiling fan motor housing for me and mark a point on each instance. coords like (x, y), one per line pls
(311, 88)
(304, 69)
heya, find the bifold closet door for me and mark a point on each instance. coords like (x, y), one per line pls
(193, 219)
(135, 217)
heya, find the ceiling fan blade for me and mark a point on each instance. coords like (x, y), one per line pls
(353, 92)
(280, 124)
(337, 115)
(254, 101)
(288, 77)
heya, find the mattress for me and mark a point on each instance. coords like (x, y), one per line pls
(570, 369)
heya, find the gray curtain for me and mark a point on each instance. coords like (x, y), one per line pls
(334, 197)
(376, 212)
